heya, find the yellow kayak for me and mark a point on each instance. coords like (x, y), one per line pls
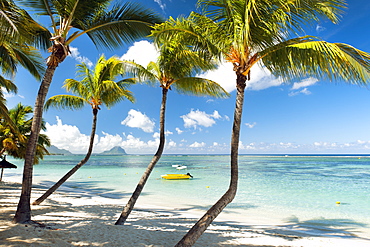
(177, 176)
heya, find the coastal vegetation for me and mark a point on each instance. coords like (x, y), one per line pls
(18, 33)
(265, 33)
(69, 20)
(13, 142)
(96, 88)
(175, 68)
(245, 33)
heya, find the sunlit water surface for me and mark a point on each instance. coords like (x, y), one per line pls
(316, 190)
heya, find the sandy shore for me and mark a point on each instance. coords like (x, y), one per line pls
(79, 219)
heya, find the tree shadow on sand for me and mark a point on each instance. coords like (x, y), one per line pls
(65, 223)
(344, 228)
(87, 188)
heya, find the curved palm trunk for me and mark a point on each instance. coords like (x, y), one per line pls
(23, 213)
(76, 167)
(197, 230)
(140, 186)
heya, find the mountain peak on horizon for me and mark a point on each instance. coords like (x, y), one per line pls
(54, 150)
(117, 150)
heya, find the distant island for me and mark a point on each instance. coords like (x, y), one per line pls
(114, 151)
(53, 150)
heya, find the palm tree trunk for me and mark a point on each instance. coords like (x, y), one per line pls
(23, 213)
(197, 230)
(76, 167)
(140, 186)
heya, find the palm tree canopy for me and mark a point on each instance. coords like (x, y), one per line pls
(12, 54)
(18, 31)
(246, 33)
(97, 87)
(16, 25)
(15, 143)
(177, 67)
(106, 27)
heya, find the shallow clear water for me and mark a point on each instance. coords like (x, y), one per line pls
(290, 189)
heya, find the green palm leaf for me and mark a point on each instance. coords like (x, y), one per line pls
(121, 24)
(199, 87)
(65, 102)
(96, 87)
(333, 61)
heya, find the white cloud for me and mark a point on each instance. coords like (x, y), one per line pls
(320, 29)
(216, 115)
(261, 79)
(224, 75)
(75, 54)
(199, 118)
(70, 138)
(107, 142)
(161, 5)
(251, 125)
(167, 133)
(136, 119)
(141, 52)
(303, 91)
(67, 137)
(304, 83)
(315, 147)
(179, 131)
(7, 95)
(197, 145)
(172, 144)
(136, 145)
(132, 142)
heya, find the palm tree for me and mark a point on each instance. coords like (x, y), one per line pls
(14, 131)
(14, 143)
(17, 25)
(175, 68)
(96, 88)
(17, 32)
(247, 33)
(106, 28)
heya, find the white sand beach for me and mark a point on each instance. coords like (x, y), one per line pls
(78, 219)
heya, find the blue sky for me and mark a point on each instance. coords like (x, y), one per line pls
(300, 117)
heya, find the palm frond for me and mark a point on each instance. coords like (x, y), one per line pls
(16, 25)
(96, 86)
(149, 75)
(192, 31)
(122, 24)
(332, 61)
(199, 87)
(77, 87)
(113, 93)
(66, 102)
(30, 59)
(13, 54)
(8, 85)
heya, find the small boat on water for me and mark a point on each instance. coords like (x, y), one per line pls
(177, 176)
(179, 167)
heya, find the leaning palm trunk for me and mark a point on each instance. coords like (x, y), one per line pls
(23, 213)
(197, 230)
(75, 168)
(140, 186)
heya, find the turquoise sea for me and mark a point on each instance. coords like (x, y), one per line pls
(299, 190)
